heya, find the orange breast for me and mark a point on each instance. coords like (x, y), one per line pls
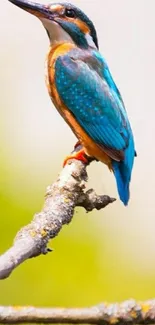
(91, 148)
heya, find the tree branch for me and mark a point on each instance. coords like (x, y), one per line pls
(60, 201)
(128, 312)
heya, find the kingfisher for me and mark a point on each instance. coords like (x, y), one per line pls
(83, 90)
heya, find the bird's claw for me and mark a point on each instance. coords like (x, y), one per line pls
(78, 155)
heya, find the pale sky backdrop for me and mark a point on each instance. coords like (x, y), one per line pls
(34, 138)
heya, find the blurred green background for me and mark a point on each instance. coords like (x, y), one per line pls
(101, 256)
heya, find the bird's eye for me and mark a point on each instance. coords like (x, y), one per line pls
(70, 13)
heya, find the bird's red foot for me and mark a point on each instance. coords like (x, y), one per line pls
(79, 155)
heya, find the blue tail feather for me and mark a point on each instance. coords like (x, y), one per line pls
(122, 171)
(122, 182)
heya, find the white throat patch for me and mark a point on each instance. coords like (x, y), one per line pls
(90, 41)
(56, 33)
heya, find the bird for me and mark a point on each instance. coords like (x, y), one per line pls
(84, 92)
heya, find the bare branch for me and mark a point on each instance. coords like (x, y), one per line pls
(128, 312)
(60, 201)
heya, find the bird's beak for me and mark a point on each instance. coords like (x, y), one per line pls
(37, 9)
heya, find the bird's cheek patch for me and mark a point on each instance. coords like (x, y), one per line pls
(83, 27)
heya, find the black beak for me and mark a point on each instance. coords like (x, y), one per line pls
(37, 9)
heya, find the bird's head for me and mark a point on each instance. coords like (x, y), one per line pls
(63, 22)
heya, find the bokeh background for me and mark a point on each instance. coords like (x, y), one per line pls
(107, 255)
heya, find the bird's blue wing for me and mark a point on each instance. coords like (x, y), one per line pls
(96, 106)
(106, 74)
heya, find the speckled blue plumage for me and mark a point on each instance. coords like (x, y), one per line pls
(86, 87)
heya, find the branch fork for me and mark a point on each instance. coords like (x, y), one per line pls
(61, 199)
